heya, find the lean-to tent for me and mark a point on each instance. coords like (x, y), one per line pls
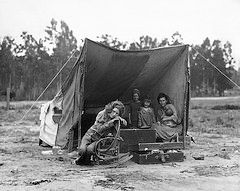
(102, 74)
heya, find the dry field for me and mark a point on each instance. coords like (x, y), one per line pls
(214, 124)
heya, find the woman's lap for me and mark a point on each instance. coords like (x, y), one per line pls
(165, 132)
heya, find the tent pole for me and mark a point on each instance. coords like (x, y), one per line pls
(81, 104)
(185, 123)
(186, 116)
(186, 107)
(79, 122)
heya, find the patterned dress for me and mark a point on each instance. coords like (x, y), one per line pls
(146, 118)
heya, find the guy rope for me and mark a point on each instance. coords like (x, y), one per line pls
(198, 53)
(47, 86)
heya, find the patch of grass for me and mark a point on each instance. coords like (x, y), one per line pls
(196, 107)
(15, 115)
(226, 107)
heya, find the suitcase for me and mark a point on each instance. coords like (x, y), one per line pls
(157, 157)
(156, 146)
(157, 153)
(132, 137)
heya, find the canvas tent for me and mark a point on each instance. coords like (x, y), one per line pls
(102, 74)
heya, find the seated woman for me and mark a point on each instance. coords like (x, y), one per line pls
(146, 117)
(167, 127)
(105, 123)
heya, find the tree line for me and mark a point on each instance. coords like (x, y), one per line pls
(29, 66)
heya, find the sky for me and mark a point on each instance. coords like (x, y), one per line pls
(127, 19)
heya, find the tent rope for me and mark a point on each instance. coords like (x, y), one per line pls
(216, 68)
(48, 86)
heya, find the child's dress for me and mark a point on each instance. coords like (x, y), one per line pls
(146, 118)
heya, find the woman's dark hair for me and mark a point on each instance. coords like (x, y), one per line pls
(161, 95)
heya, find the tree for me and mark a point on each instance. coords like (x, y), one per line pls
(165, 42)
(7, 62)
(205, 79)
(176, 39)
(223, 64)
(113, 42)
(31, 57)
(145, 42)
(63, 44)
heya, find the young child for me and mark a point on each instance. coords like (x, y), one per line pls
(166, 113)
(146, 117)
(134, 109)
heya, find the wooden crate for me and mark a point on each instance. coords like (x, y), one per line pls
(132, 137)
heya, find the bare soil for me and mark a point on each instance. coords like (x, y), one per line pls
(216, 133)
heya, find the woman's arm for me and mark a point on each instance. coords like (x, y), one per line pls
(160, 115)
(110, 123)
(107, 125)
(100, 117)
(123, 121)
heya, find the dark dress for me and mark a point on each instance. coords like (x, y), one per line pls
(146, 118)
(134, 110)
(169, 129)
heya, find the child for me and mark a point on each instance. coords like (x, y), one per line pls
(166, 113)
(134, 109)
(146, 117)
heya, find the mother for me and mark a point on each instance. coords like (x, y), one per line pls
(167, 127)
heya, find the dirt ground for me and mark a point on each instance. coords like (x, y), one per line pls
(214, 124)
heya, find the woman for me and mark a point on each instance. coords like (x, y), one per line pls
(167, 127)
(105, 123)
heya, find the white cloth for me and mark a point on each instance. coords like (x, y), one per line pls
(48, 128)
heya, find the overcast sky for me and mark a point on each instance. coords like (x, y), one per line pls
(127, 19)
